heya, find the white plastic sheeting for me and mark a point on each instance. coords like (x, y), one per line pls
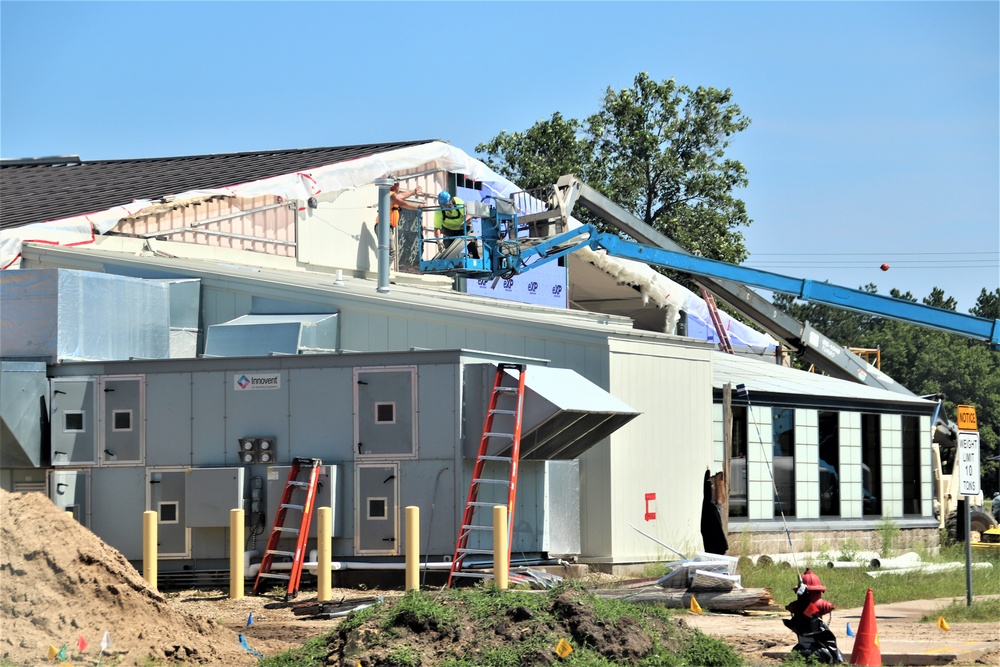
(330, 181)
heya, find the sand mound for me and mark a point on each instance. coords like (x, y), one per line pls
(59, 581)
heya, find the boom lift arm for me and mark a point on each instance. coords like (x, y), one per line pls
(805, 339)
(505, 257)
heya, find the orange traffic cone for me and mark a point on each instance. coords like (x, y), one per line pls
(866, 649)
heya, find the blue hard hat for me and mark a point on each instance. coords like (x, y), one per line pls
(444, 198)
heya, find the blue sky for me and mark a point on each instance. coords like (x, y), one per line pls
(875, 135)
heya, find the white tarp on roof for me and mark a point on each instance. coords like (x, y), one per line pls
(332, 180)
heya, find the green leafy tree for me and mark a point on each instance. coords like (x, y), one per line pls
(657, 149)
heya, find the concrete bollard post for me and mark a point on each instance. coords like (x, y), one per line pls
(412, 548)
(324, 554)
(149, 553)
(236, 536)
(501, 564)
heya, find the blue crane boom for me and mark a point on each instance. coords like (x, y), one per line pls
(504, 257)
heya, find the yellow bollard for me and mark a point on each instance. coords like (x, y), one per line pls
(501, 555)
(324, 556)
(412, 548)
(149, 554)
(235, 554)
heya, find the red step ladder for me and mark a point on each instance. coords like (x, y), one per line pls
(310, 469)
(507, 403)
(713, 311)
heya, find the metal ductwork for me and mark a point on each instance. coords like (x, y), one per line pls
(564, 414)
(264, 335)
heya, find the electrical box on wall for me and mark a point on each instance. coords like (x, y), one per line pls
(256, 450)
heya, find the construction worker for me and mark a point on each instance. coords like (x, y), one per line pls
(397, 201)
(450, 221)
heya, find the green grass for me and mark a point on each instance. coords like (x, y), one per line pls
(486, 608)
(981, 611)
(313, 652)
(846, 588)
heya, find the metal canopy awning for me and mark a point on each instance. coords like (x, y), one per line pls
(564, 414)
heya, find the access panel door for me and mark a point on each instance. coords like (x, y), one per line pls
(74, 421)
(166, 497)
(69, 490)
(122, 420)
(385, 412)
(376, 517)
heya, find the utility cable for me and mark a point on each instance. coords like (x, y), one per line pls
(741, 391)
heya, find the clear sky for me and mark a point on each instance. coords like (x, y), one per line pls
(875, 135)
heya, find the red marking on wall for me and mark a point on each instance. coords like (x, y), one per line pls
(650, 498)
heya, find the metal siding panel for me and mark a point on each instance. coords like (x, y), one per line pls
(663, 451)
(438, 412)
(168, 419)
(378, 333)
(208, 419)
(430, 485)
(210, 494)
(260, 413)
(475, 339)
(321, 403)
(118, 499)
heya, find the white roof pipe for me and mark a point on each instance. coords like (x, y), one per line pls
(384, 231)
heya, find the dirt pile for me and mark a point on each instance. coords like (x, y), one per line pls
(522, 628)
(59, 581)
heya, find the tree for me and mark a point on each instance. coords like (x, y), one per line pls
(987, 305)
(657, 149)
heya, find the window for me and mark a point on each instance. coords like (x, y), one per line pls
(168, 511)
(871, 464)
(73, 421)
(783, 464)
(911, 465)
(378, 508)
(829, 463)
(121, 420)
(385, 413)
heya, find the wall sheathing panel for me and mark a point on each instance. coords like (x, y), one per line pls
(806, 464)
(851, 497)
(718, 437)
(665, 452)
(892, 465)
(926, 474)
(760, 458)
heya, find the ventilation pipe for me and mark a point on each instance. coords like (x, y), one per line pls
(384, 230)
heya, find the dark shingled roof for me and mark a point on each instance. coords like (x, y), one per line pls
(36, 190)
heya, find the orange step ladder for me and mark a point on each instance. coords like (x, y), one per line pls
(713, 311)
(294, 485)
(507, 403)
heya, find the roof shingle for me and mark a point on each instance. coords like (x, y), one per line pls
(53, 189)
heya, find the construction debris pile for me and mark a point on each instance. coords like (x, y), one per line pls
(59, 582)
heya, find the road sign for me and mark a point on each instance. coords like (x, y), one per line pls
(968, 462)
(967, 418)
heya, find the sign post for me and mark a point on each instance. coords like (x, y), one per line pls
(967, 458)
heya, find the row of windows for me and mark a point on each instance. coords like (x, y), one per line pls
(746, 434)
